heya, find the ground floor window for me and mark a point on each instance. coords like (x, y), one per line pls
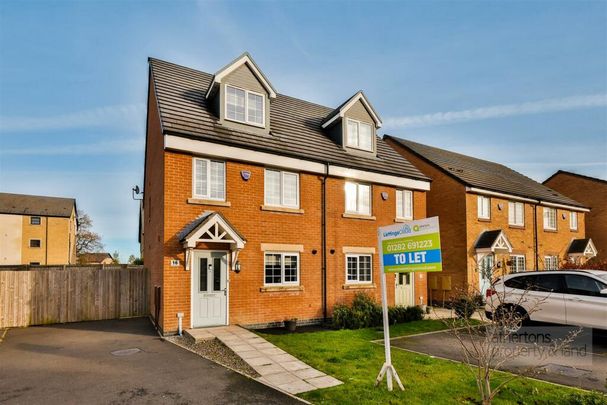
(518, 263)
(551, 263)
(281, 268)
(358, 268)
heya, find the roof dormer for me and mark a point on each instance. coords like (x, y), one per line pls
(354, 124)
(240, 95)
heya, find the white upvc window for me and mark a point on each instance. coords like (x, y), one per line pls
(281, 268)
(516, 213)
(245, 106)
(404, 204)
(359, 135)
(551, 263)
(573, 221)
(359, 268)
(281, 188)
(484, 207)
(549, 218)
(518, 263)
(208, 178)
(358, 198)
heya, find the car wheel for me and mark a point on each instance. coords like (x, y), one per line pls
(511, 320)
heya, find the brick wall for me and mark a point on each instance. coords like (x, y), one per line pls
(153, 203)
(248, 305)
(592, 193)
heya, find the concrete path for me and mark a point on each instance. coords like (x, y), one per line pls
(276, 367)
(442, 313)
(116, 362)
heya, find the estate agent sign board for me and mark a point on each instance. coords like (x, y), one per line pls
(405, 247)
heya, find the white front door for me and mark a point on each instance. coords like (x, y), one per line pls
(209, 289)
(485, 273)
(404, 290)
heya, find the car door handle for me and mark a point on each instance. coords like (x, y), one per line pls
(574, 299)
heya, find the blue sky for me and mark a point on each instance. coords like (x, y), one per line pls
(520, 83)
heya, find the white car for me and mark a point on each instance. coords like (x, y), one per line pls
(567, 297)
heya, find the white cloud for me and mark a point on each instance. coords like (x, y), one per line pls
(498, 111)
(109, 116)
(97, 148)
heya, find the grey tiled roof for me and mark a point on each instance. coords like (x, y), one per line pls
(483, 174)
(295, 125)
(21, 204)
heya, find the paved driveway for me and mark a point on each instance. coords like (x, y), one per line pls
(586, 368)
(74, 364)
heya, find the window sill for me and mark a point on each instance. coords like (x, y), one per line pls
(358, 286)
(400, 220)
(199, 201)
(550, 230)
(358, 216)
(484, 219)
(282, 209)
(516, 226)
(573, 230)
(281, 288)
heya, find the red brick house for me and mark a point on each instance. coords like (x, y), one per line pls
(591, 192)
(493, 218)
(259, 207)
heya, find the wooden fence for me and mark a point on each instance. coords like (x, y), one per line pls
(45, 295)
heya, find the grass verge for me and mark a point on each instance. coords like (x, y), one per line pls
(350, 356)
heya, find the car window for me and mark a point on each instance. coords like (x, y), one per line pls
(549, 283)
(520, 282)
(582, 285)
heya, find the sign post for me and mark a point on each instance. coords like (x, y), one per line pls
(405, 247)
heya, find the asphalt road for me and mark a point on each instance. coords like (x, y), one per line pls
(584, 365)
(116, 362)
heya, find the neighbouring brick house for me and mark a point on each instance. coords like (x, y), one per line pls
(95, 258)
(37, 230)
(591, 192)
(493, 217)
(259, 207)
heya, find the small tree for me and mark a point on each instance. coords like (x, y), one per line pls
(116, 257)
(488, 346)
(135, 260)
(87, 241)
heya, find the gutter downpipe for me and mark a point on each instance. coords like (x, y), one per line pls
(535, 236)
(324, 242)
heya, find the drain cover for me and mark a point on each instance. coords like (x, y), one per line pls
(126, 352)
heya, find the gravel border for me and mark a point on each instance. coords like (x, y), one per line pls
(215, 351)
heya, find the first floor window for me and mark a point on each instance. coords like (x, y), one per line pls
(34, 220)
(516, 213)
(35, 243)
(484, 207)
(573, 221)
(404, 204)
(209, 179)
(549, 218)
(518, 263)
(281, 188)
(358, 198)
(551, 263)
(281, 268)
(358, 268)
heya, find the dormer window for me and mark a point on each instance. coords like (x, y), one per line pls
(360, 135)
(245, 106)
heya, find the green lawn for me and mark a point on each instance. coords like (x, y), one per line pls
(350, 356)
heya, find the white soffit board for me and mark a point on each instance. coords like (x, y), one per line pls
(211, 149)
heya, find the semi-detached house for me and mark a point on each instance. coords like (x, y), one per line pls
(259, 207)
(494, 219)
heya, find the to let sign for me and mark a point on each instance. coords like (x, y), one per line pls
(411, 246)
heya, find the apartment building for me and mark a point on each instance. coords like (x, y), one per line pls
(37, 230)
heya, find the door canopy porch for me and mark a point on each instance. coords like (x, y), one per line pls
(582, 248)
(211, 227)
(494, 241)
